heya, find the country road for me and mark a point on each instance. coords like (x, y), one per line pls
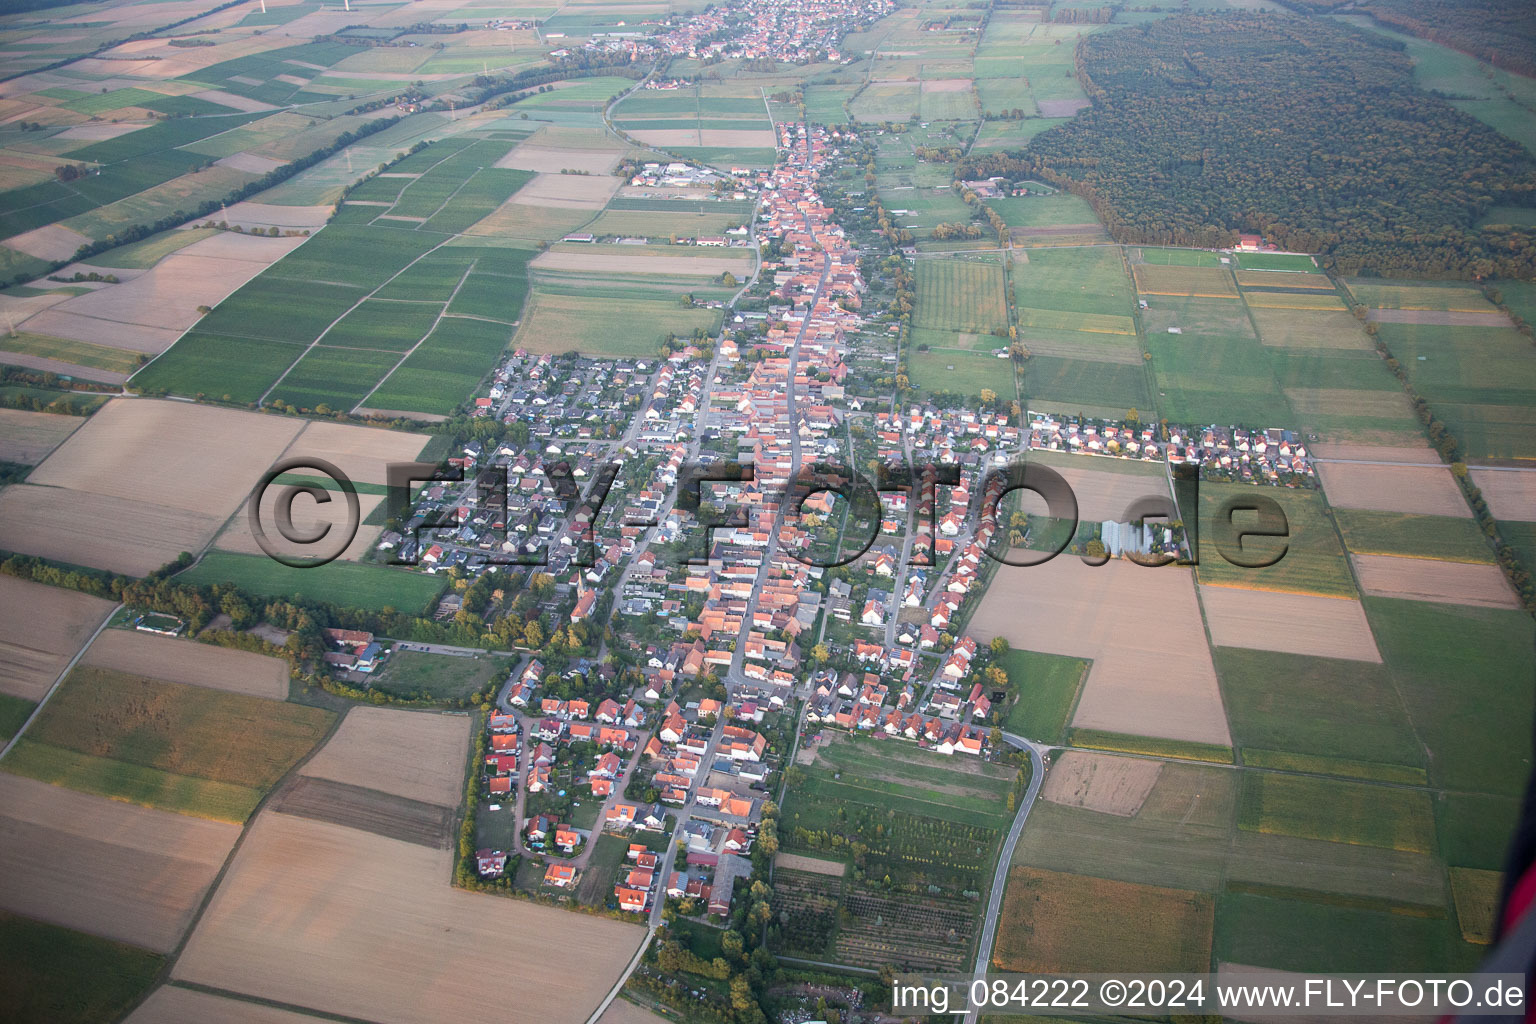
(1005, 857)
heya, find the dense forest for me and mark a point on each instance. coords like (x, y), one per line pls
(1307, 131)
(1501, 32)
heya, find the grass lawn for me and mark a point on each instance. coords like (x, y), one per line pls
(439, 676)
(1337, 811)
(959, 371)
(148, 728)
(1048, 686)
(349, 584)
(1099, 739)
(1344, 712)
(57, 976)
(596, 886)
(1051, 211)
(1400, 533)
(1313, 561)
(1086, 384)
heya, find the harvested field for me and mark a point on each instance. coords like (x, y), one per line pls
(117, 534)
(1104, 494)
(1374, 453)
(189, 662)
(533, 155)
(1266, 862)
(1057, 922)
(622, 1012)
(127, 873)
(737, 138)
(308, 516)
(316, 915)
(1477, 898)
(1509, 494)
(1420, 490)
(569, 191)
(27, 437)
(171, 1004)
(649, 263)
(1270, 620)
(1289, 301)
(1199, 282)
(250, 163)
(1424, 579)
(1300, 328)
(153, 451)
(416, 755)
(1061, 108)
(147, 313)
(1284, 279)
(669, 138)
(369, 810)
(1349, 402)
(1101, 782)
(1439, 318)
(53, 242)
(41, 628)
(266, 215)
(815, 865)
(363, 453)
(1143, 682)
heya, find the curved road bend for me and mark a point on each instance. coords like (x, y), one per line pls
(1005, 857)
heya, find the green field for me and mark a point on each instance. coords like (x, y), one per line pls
(57, 976)
(1462, 672)
(1086, 384)
(81, 353)
(445, 368)
(1400, 533)
(1047, 686)
(960, 294)
(145, 254)
(336, 378)
(1331, 716)
(1303, 935)
(1049, 211)
(438, 676)
(1089, 280)
(598, 325)
(1314, 561)
(1390, 817)
(13, 713)
(959, 371)
(349, 584)
(190, 749)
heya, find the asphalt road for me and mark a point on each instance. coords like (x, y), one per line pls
(1005, 857)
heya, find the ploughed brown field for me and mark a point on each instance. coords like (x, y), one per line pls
(1152, 673)
(1427, 579)
(1101, 782)
(320, 916)
(26, 437)
(120, 871)
(1272, 620)
(415, 754)
(1415, 489)
(185, 661)
(41, 628)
